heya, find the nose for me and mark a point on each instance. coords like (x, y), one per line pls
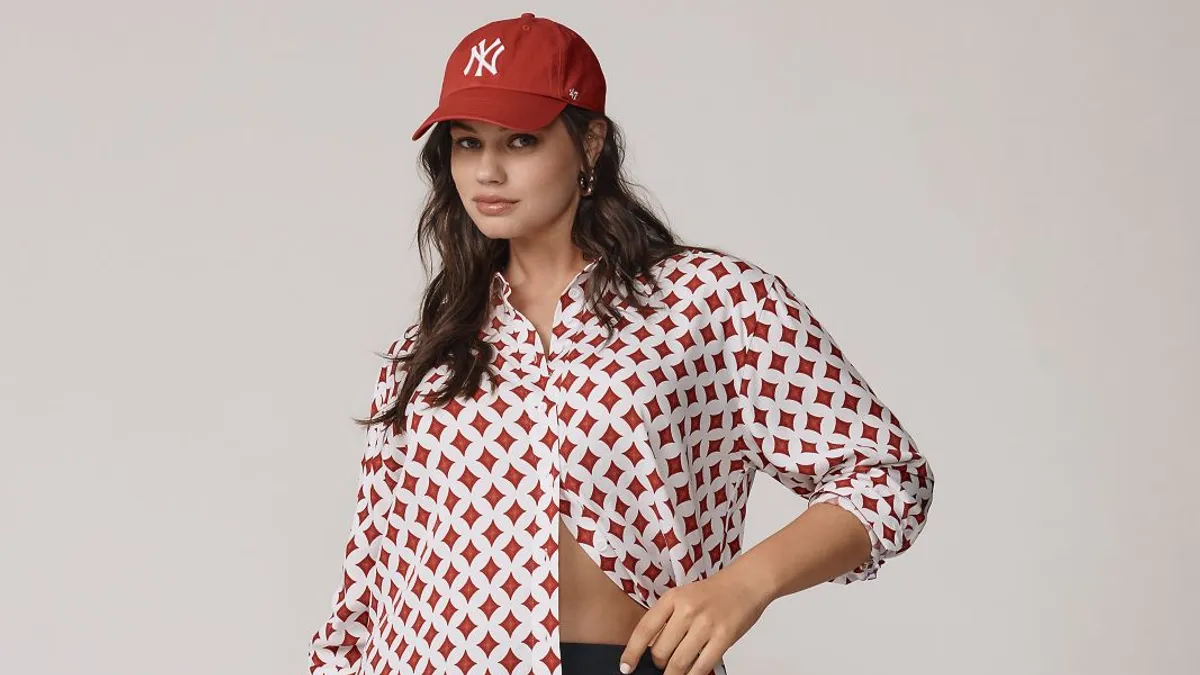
(490, 169)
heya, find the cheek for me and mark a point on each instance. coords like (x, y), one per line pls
(554, 180)
(460, 172)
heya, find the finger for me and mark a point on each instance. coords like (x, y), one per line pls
(688, 651)
(646, 630)
(708, 657)
(669, 638)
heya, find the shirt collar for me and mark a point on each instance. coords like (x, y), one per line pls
(501, 289)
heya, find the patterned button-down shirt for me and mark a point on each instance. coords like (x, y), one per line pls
(646, 446)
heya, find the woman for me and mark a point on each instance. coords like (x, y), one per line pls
(580, 507)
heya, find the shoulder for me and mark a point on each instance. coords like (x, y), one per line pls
(391, 373)
(403, 344)
(716, 274)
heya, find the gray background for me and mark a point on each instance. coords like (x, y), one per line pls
(207, 212)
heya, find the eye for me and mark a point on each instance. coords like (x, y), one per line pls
(527, 140)
(519, 141)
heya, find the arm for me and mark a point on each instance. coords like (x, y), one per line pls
(812, 422)
(823, 543)
(336, 648)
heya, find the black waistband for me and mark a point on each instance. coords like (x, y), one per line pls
(597, 658)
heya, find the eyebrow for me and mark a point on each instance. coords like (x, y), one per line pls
(458, 124)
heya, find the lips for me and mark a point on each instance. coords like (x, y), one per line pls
(494, 206)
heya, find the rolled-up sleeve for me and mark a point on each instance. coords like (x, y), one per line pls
(337, 647)
(812, 422)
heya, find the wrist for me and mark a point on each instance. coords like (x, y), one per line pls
(755, 579)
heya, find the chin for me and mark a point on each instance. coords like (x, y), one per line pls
(500, 227)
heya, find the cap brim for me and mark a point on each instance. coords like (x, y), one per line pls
(510, 109)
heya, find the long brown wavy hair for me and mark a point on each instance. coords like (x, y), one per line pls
(614, 222)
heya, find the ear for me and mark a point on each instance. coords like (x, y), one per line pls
(593, 140)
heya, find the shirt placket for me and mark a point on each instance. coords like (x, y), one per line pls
(547, 373)
(541, 375)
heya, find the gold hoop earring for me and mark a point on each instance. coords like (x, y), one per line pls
(587, 182)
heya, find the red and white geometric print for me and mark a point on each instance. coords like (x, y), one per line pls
(646, 446)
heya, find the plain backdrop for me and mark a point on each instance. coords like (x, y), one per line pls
(207, 213)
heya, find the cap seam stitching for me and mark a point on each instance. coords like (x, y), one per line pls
(508, 88)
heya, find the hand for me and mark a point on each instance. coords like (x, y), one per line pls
(692, 625)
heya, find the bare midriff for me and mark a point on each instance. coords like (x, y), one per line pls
(592, 608)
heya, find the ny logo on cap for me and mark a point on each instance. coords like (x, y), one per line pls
(479, 52)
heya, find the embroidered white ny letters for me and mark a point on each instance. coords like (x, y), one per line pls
(479, 52)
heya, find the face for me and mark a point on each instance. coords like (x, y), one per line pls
(533, 174)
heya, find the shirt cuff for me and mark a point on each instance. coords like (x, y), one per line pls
(869, 569)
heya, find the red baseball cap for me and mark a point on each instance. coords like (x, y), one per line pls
(519, 74)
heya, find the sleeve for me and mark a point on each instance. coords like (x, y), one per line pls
(337, 646)
(813, 423)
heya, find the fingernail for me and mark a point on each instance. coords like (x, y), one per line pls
(625, 668)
